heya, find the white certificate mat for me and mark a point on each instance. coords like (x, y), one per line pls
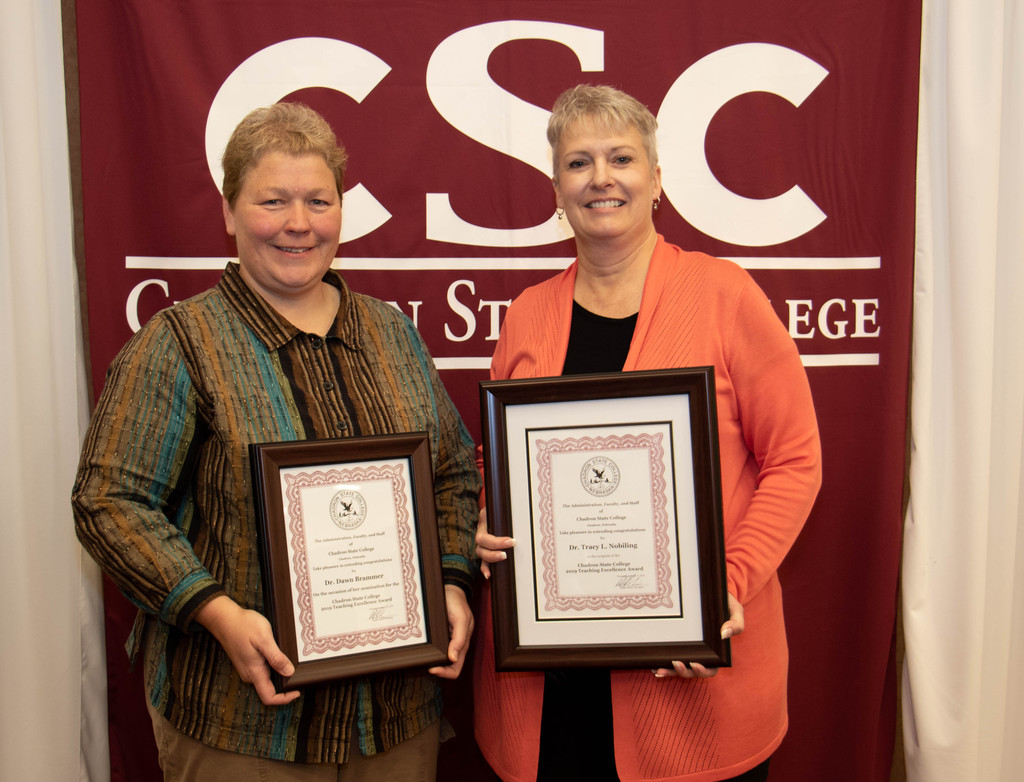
(605, 559)
(355, 576)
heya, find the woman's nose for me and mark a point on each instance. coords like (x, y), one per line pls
(602, 174)
(297, 218)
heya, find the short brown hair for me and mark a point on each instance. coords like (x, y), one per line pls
(293, 128)
(607, 106)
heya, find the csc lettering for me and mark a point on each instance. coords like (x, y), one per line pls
(468, 99)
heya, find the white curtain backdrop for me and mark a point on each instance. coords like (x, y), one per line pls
(963, 569)
(51, 633)
(963, 575)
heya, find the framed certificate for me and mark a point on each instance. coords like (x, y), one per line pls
(350, 555)
(610, 485)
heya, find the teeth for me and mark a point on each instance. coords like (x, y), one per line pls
(604, 204)
(293, 249)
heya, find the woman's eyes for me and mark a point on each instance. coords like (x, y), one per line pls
(618, 160)
(318, 202)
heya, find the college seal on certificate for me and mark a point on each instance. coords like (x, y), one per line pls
(600, 476)
(348, 509)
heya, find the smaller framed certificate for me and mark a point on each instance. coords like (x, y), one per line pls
(350, 555)
(611, 486)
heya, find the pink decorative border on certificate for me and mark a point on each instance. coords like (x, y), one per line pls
(312, 642)
(661, 596)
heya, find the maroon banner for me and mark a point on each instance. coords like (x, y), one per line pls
(787, 134)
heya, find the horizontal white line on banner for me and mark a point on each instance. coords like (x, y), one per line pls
(452, 264)
(175, 264)
(364, 264)
(820, 264)
(820, 360)
(462, 363)
(484, 264)
(841, 360)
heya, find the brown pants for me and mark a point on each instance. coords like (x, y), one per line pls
(186, 760)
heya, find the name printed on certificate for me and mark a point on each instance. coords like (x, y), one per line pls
(354, 568)
(605, 545)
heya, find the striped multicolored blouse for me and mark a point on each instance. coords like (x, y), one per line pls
(163, 500)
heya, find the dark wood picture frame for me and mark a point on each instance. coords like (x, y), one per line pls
(267, 461)
(696, 388)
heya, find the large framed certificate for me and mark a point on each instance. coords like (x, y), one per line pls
(611, 486)
(350, 555)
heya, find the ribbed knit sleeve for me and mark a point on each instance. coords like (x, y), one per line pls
(775, 417)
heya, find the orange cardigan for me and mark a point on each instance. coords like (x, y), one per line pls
(696, 311)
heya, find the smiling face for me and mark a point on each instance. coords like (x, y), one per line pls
(605, 183)
(286, 222)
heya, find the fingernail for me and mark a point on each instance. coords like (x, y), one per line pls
(503, 555)
(726, 633)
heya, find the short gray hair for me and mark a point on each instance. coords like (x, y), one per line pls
(609, 107)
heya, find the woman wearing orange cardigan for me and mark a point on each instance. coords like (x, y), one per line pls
(631, 301)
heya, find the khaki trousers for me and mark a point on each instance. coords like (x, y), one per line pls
(184, 759)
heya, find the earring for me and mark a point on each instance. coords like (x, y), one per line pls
(657, 203)
(559, 212)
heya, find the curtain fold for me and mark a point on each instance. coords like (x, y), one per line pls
(963, 567)
(49, 594)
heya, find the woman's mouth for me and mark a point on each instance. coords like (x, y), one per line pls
(607, 204)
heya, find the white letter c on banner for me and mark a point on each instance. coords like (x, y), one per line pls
(690, 105)
(271, 74)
